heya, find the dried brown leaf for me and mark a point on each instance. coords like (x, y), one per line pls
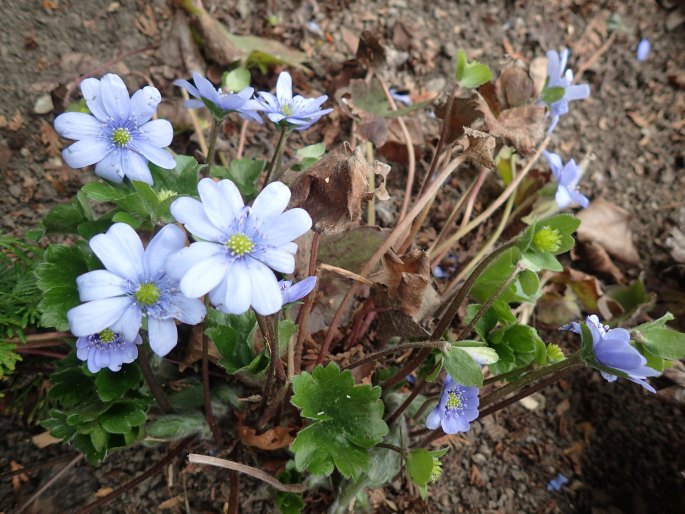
(587, 288)
(523, 127)
(514, 87)
(50, 139)
(607, 225)
(44, 439)
(479, 147)
(464, 113)
(598, 259)
(374, 130)
(17, 479)
(370, 52)
(555, 309)
(273, 439)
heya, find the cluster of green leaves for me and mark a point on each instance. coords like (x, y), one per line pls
(347, 420)
(99, 412)
(423, 467)
(244, 173)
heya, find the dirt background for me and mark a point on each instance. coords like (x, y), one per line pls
(622, 449)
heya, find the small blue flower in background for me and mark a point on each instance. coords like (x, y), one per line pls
(240, 246)
(458, 406)
(134, 286)
(106, 349)
(558, 483)
(293, 292)
(559, 76)
(400, 97)
(612, 349)
(119, 137)
(643, 50)
(567, 176)
(283, 109)
(221, 104)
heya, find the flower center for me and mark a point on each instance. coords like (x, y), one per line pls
(147, 294)
(121, 137)
(239, 244)
(455, 400)
(287, 110)
(107, 336)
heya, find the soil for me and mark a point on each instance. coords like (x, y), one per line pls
(621, 449)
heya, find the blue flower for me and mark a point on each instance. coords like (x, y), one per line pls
(292, 292)
(559, 76)
(612, 349)
(457, 408)
(134, 286)
(404, 97)
(285, 110)
(221, 104)
(558, 483)
(567, 175)
(239, 246)
(643, 49)
(118, 137)
(106, 349)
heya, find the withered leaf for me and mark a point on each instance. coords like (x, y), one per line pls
(362, 100)
(333, 189)
(514, 87)
(374, 130)
(273, 439)
(479, 147)
(587, 288)
(369, 51)
(464, 113)
(523, 127)
(403, 293)
(607, 225)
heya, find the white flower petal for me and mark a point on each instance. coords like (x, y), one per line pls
(115, 97)
(144, 102)
(271, 202)
(284, 88)
(178, 264)
(237, 290)
(221, 201)
(92, 317)
(169, 240)
(99, 284)
(188, 310)
(135, 166)
(78, 125)
(110, 167)
(278, 260)
(90, 88)
(266, 295)
(286, 227)
(163, 335)
(129, 323)
(121, 251)
(85, 152)
(204, 276)
(190, 213)
(157, 133)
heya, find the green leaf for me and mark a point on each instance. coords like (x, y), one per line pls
(517, 346)
(471, 74)
(530, 283)
(235, 80)
(553, 94)
(485, 324)
(309, 155)
(233, 336)
(420, 466)
(536, 260)
(286, 329)
(104, 192)
(462, 368)
(348, 420)
(121, 417)
(65, 218)
(182, 180)
(629, 297)
(351, 249)
(112, 385)
(98, 438)
(178, 426)
(659, 339)
(57, 280)
(370, 98)
(244, 173)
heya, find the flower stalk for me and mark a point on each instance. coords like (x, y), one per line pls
(273, 172)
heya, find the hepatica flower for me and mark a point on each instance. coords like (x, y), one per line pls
(612, 349)
(643, 50)
(219, 103)
(106, 349)
(239, 247)
(567, 175)
(118, 137)
(559, 77)
(457, 408)
(287, 111)
(134, 286)
(293, 292)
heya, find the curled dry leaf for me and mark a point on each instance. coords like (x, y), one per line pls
(273, 439)
(464, 112)
(587, 288)
(555, 309)
(597, 259)
(333, 189)
(514, 87)
(523, 127)
(403, 293)
(479, 147)
(608, 225)
(370, 52)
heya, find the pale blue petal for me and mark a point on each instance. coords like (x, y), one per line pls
(643, 383)
(178, 264)
(454, 424)
(157, 133)
(292, 293)
(121, 251)
(90, 88)
(562, 197)
(86, 152)
(110, 167)
(100, 360)
(193, 104)
(579, 198)
(78, 125)
(128, 325)
(135, 166)
(272, 201)
(163, 335)
(169, 240)
(99, 284)
(206, 88)
(92, 317)
(115, 97)
(188, 310)
(157, 155)
(144, 102)
(184, 84)
(278, 260)
(286, 227)
(190, 213)
(433, 419)
(204, 276)
(266, 295)
(284, 88)
(554, 162)
(221, 201)
(577, 92)
(237, 290)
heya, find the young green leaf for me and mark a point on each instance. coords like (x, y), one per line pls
(235, 80)
(462, 368)
(660, 340)
(471, 74)
(553, 94)
(420, 466)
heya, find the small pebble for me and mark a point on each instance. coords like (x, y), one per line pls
(43, 105)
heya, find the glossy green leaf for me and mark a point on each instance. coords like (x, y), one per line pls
(462, 368)
(112, 385)
(471, 74)
(660, 340)
(233, 336)
(419, 466)
(244, 173)
(121, 417)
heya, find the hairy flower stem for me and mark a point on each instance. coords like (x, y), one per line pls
(151, 380)
(530, 378)
(303, 315)
(207, 399)
(274, 172)
(397, 348)
(504, 376)
(213, 136)
(268, 324)
(449, 313)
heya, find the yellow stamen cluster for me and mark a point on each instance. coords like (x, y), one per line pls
(121, 137)
(240, 244)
